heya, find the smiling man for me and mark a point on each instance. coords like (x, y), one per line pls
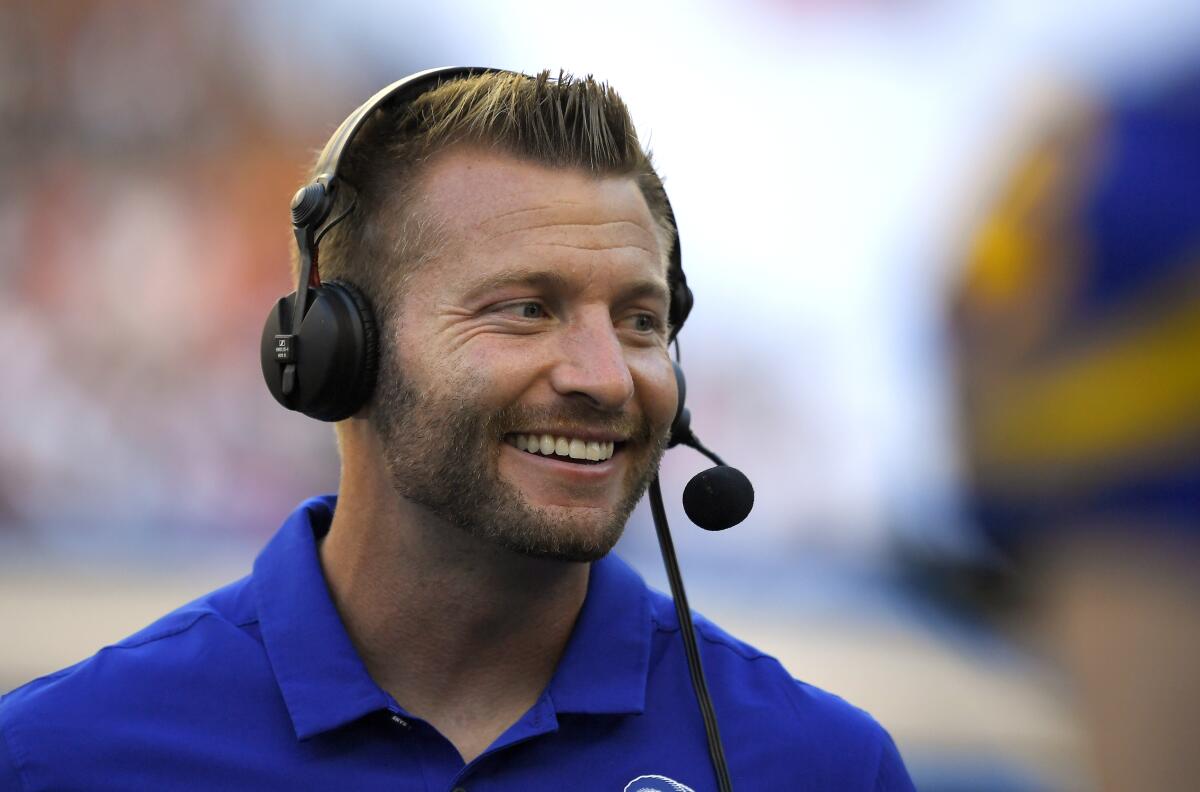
(537, 337)
(453, 619)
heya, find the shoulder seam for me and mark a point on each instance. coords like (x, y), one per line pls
(160, 636)
(62, 672)
(739, 649)
(12, 754)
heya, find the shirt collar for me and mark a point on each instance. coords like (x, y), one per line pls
(323, 680)
(606, 663)
(325, 684)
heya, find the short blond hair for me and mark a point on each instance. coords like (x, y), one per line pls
(561, 122)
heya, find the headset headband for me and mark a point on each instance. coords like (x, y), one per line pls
(312, 202)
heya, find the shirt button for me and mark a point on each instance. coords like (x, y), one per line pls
(459, 789)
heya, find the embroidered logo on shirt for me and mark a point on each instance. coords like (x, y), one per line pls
(655, 783)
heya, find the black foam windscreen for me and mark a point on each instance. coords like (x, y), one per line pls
(718, 498)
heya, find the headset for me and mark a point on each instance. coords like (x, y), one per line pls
(320, 344)
(320, 356)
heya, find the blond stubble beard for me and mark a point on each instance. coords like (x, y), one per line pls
(461, 483)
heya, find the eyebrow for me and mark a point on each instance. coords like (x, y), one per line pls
(654, 289)
(544, 279)
(549, 280)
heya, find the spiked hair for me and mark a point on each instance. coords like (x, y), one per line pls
(561, 122)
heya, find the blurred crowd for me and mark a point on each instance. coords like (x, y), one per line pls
(146, 173)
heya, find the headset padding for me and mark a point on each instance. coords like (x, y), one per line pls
(368, 363)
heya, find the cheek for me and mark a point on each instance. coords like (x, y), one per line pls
(655, 382)
(501, 374)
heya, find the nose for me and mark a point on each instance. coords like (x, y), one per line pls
(592, 363)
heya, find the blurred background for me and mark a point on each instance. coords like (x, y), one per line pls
(889, 215)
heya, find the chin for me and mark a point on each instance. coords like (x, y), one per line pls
(562, 534)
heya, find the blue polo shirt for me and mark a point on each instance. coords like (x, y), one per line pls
(257, 686)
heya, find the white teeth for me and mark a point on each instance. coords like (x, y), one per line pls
(573, 447)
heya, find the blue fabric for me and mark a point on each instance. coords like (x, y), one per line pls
(257, 686)
(1162, 504)
(1141, 217)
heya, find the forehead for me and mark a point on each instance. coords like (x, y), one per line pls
(496, 208)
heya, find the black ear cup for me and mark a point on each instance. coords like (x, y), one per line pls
(336, 353)
(681, 295)
(681, 299)
(367, 365)
(681, 427)
(327, 368)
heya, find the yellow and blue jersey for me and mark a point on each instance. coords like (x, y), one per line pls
(1076, 326)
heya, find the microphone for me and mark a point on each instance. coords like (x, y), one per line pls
(718, 498)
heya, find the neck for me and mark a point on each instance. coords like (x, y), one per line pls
(462, 633)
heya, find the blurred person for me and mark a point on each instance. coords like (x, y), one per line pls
(453, 617)
(1076, 338)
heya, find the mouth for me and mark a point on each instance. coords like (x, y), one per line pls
(565, 447)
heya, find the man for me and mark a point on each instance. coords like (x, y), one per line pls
(452, 620)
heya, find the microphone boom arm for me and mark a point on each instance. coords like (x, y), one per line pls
(688, 631)
(691, 441)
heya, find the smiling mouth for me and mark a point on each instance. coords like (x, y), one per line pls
(568, 449)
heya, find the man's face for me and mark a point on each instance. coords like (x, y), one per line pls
(525, 390)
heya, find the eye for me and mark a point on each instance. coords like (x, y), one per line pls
(644, 323)
(526, 309)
